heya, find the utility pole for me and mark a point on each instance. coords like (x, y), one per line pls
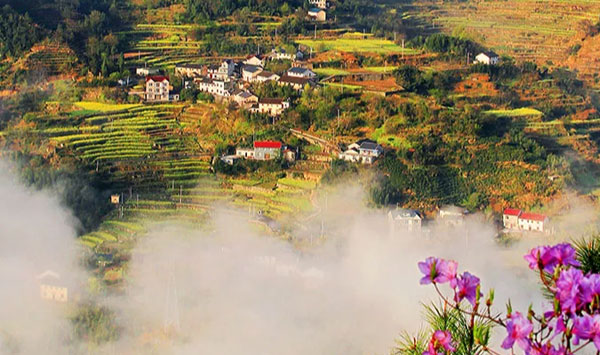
(315, 31)
(180, 188)
(402, 48)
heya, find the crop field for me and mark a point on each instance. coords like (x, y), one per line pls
(92, 106)
(369, 45)
(541, 31)
(519, 112)
(160, 45)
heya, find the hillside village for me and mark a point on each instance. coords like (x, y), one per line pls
(156, 113)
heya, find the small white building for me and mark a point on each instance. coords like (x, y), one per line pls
(244, 98)
(370, 148)
(364, 152)
(52, 288)
(265, 76)
(299, 72)
(229, 159)
(255, 59)
(272, 107)
(224, 71)
(250, 72)
(282, 54)
(453, 216)
(146, 71)
(321, 4)
(247, 153)
(190, 70)
(215, 87)
(533, 222)
(295, 82)
(317, 14)
(488, 58)
(510, 218)
(401, 219)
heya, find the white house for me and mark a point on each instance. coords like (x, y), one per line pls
(282, 54)
(510, 218)
(250, 72)
(317, 14)
(321, 4)
(215, 87)
(265, 76)
(189, 70)
(533, 222)
(244, 98)
(453, 215)
(488, 58)
(401, 219)
(364, 152)
(255, 59)
(370, 148)
(299, 72)
(146, 71)
(158, 88)
(294, 82)
(272, 107)
(267, 150)
(223, 71)
(247, 153)
(52, 287)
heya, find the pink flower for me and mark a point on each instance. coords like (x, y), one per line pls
(570, 289)
(519, 329)
(440, 343)
(438, 271)
(466, 288)
(534, 256)
(548, 349)
(548, 257)
(587, 328)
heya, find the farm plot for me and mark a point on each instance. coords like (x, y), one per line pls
(540, 31)
(369, 45)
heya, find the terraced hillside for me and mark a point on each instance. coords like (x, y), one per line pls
(541, 31)
(160, 45)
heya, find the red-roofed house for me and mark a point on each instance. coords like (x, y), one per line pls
(510, 218)
(157, 88)
(533, 222)
(267, 150)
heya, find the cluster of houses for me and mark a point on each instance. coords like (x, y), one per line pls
(409, 220)
(364, 151)
(262, 150)
(229, 80)
(516, 219)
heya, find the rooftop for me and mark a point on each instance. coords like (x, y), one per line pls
(533, 216)
(293, 79)
(271, 101)
(512, 212)
(267, 144)
(251, 68)
(157, 78)
(404, 213)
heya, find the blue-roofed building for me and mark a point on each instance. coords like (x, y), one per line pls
(317, 14)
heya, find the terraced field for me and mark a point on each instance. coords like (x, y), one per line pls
(541, 31)
(160, 45)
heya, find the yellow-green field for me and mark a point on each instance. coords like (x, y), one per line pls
(519, 112)
(331, 71)
(103, 107)
(370, 45)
